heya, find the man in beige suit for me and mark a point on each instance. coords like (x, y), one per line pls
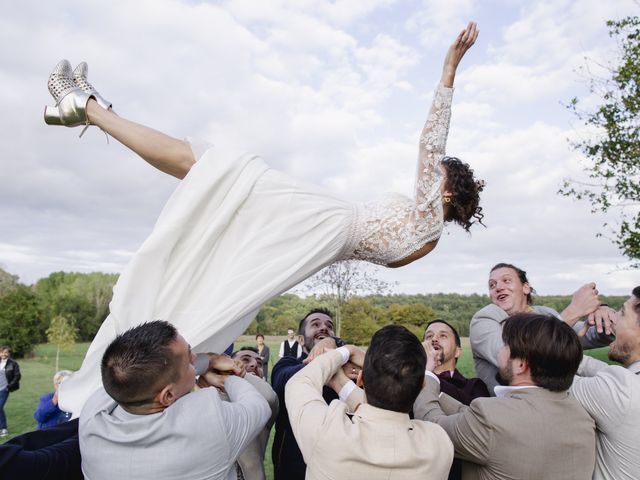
(534, 429)
(611, 395)
(379, 440)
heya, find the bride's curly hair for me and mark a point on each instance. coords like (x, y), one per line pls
(464, 207)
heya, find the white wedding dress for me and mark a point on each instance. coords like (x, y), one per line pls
(236, 233)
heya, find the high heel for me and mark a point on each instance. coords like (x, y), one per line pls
(70, 109)
(80, 75)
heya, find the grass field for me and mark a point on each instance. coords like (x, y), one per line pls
(37, 374)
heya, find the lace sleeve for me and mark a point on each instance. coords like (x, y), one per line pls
(433, 141)
(391, 229)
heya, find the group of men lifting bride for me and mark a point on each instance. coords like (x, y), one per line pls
(236, 233)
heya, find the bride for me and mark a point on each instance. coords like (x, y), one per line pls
(236, 233)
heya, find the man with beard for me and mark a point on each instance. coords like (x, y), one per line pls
(511, 293)
(377, 440)
(610, 394)
(534, 428)
(441, 337)
(288, 464)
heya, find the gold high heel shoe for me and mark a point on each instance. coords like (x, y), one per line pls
(80, 75)
(70, 109)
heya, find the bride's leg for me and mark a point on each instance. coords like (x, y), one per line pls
(167, 154)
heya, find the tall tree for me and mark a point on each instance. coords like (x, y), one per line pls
(8, 282)
(84, 297)
(343, 280)
(61, 333)
(613, 153)
(361, 321)
(19, 320)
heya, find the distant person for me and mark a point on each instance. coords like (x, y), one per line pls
(443, 338)
(48, 413)
(511, 293)
(378, 440)
(611, 395)
(263, 351)
(533, 429)
(146, 422)
(290, 347)
(9, 382)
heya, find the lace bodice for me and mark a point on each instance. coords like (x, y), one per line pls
(392, 228)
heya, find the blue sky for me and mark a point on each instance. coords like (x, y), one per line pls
(334, 93)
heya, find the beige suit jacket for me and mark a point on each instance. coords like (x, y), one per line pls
(371, 444)
(611, 395)
(529, 434)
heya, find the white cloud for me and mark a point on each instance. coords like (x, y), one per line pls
(436, 23)
(327, 91)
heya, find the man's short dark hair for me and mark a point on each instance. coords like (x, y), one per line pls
(259, 335)
(522, 275)
(550, 347)
(251, 349)
(140, 362)
(393, 370)
(455, 332)
(303, 323)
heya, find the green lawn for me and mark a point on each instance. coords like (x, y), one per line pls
(37, 374)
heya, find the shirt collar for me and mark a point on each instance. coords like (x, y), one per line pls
(374, 413)
(503, 391)
(634, 367)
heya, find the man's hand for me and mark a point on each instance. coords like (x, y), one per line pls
(433, 359)
(212, 379)
(319, 348)
(222, 364)
(585, 301)
(339, 380)
(604, 319)
(463, 42)
(428, 346)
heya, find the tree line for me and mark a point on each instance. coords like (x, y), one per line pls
(63, 301)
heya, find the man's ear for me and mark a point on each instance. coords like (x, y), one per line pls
(166, 396)
(359, 381)
(458, 353)
(526, 288)
(520, 366)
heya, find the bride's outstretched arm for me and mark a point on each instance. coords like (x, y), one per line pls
(433, 138)
(464, 42)
(399, 230)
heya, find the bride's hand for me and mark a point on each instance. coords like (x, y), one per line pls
(463, 42)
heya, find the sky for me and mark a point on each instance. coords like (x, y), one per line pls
(331, 92)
